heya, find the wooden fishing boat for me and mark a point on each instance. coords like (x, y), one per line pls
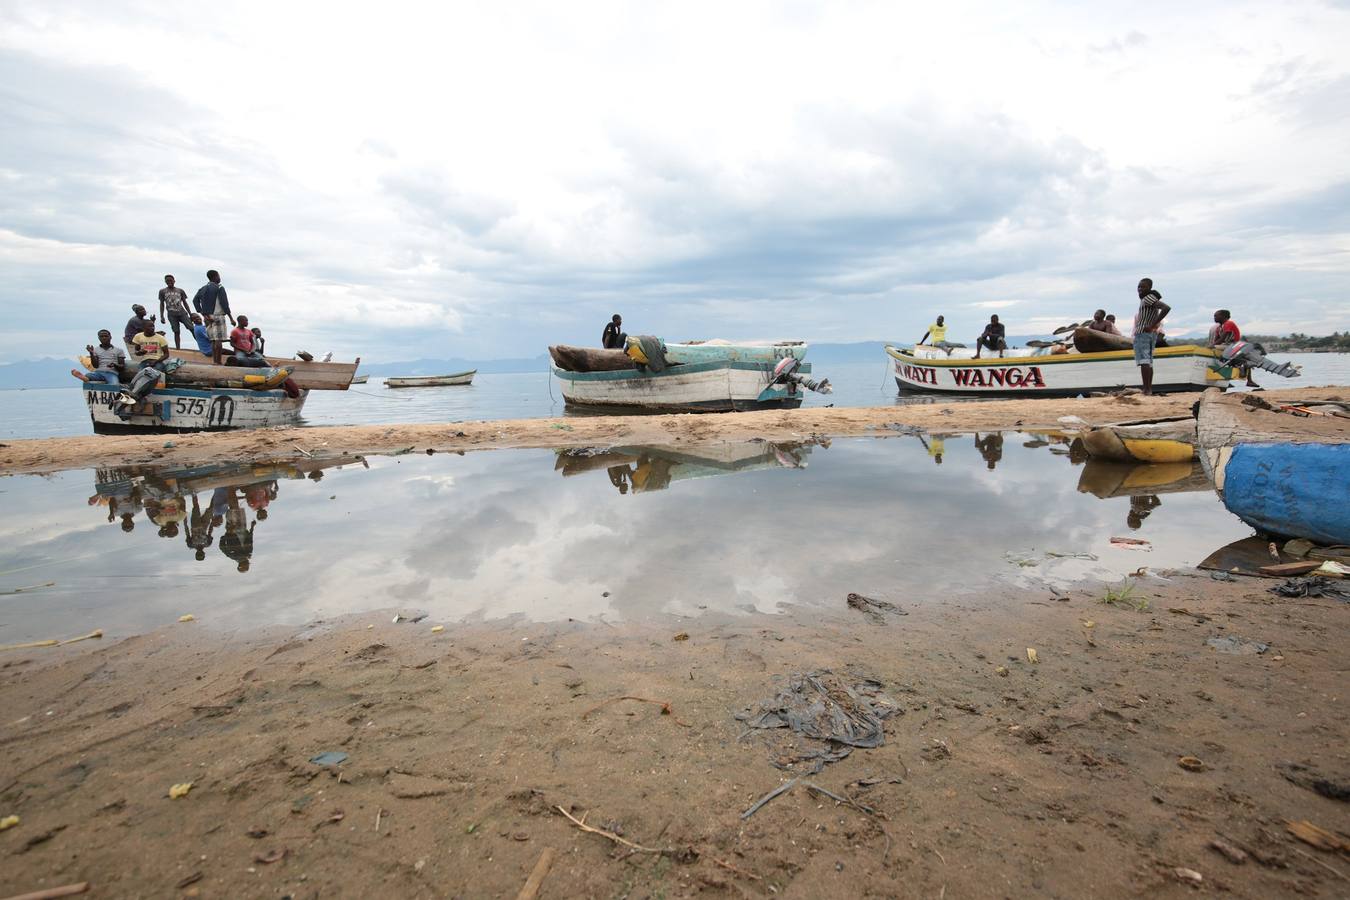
(1281, 469)
(1151, 441)
(587, 359)
(308, 376)
(719, 386)
(1104, 479)
(643, 469)
(175, 409)
(1021, 373)
(431, 380)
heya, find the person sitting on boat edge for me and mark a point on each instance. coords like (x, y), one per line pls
(1226, 331)
(994, 337)
(105, 359)
(135, 325)
(938, 332)
(614, 337)
(151, 348)
(258, 343)
(1111, 320)
(214, 305)
(173, 309)
(1152, 310)
(199, 334)
(241, 341)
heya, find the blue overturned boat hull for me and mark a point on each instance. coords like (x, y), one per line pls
(1300, 490)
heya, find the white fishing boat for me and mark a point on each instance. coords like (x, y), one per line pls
(1025, 373)
(431, 380)
(173, 409)
(716, 386)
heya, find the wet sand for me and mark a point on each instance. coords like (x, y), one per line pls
(55, 454)
(1058, 779)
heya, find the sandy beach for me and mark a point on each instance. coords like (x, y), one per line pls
(1131, 759)
(55, 454)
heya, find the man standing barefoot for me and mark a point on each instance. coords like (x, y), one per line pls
(1152, 310)
(214, 307)
(173, 309)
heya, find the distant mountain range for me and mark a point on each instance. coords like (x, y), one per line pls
(46, 373)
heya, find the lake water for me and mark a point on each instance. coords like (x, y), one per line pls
(51, 412)
(620, 534)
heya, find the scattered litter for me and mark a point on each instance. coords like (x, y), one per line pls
(1072, 420)
(1056, 554)
(168, 445)
(1031, 656)
(270, 857)
(1088, 625)
(1312, 587)
(180, 790)
(8, 822)
(561, 427)
(875, 610)
(329, 758)
(257, 833)
(29, 645)
(1305, 777)
(1231, 643)
(1191, 763)
(842, 712)
(415, 618)
(437, 629)
(187, 618)
(1188, 875)
(1130, 543)
(401, 452)
(1222, 576)
(1233, 854)
(1314, 836)
(1001, 671)
(1332, 569)
(31, 587)
(681, 636)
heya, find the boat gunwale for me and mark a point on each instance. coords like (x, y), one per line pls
(1183, 350)
(681, 369)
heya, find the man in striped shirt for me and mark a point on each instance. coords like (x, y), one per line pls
(1152, 310)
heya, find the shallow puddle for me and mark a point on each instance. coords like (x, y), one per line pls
(608, 535)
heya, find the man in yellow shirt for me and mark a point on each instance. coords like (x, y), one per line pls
(151, 350)
(938, 332)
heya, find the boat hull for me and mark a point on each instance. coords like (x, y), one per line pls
(1187, 368)
(459, 378)
(176, 409)
(723, 386)
(1280, 474)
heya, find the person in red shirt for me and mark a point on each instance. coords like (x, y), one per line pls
(1226, 331)
(245, 350)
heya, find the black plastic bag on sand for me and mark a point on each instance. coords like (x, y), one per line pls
(844, 712)
(1312, 587)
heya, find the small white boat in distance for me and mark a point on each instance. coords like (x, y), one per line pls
(431, 380)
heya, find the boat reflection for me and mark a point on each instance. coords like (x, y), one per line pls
(642, 469)
(206, 505)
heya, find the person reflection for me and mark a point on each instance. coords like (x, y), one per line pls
(936, 446)
(991, 448)
(166, 513)
(237, 541)
(618, 476)
(198, 529)
(1141, 507)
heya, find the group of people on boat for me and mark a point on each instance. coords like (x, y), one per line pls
(148, 346)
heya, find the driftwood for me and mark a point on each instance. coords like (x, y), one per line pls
(587, 359)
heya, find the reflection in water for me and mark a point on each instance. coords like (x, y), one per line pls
(171, 499)
(643, 469)
(991, 448)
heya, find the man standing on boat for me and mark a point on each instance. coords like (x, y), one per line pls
(994, 337)
(1152, 310)
(214, 307)
(614, 338)
(173, 308)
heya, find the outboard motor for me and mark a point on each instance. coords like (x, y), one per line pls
(1246, 353)
(786, 373)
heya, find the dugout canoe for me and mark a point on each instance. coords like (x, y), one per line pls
(1167, 440)
(1021, 373)
(1280, 468)
(308, 376)
(458, 378)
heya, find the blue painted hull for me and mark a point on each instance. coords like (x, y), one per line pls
(1299, 490)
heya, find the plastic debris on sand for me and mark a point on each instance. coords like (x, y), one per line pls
(842, 711)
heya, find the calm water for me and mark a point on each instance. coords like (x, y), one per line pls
(60, 411)
(623, 534)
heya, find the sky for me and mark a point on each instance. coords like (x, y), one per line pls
(409, 180)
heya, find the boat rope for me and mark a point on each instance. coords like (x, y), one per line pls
(548, 373)
(381, 396)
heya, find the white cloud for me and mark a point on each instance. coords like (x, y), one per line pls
(457, 179)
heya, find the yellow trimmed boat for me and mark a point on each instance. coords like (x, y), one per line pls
(1154, 441)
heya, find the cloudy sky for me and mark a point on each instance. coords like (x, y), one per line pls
(405, 180)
